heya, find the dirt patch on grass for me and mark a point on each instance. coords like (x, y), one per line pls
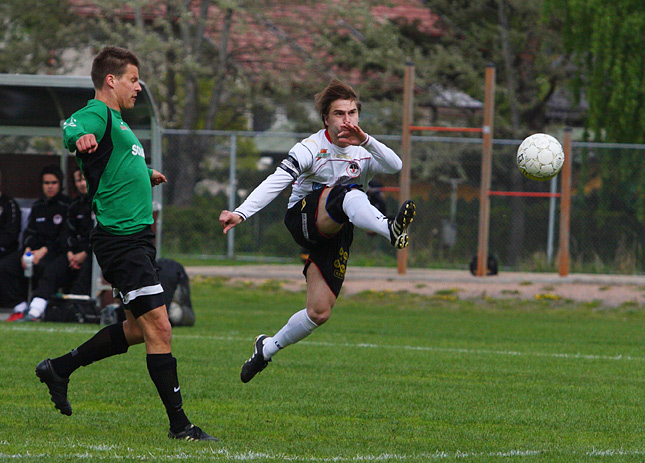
(606, 290)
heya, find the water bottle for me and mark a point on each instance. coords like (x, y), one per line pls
(29, 264)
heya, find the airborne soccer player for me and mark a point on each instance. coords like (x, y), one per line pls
(329, 172)
(120, 188)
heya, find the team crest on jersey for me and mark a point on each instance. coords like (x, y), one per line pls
(353, 169)
(322, 154)
(57, 219)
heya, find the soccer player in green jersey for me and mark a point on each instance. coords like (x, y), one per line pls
(120, 189)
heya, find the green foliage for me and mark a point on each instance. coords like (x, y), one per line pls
(195, 229)
(34, 33)
(607, 41)
(406, 378)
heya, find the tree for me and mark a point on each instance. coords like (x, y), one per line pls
(32, 35)
(207, 61)
(606, 40)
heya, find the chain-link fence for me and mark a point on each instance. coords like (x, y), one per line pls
(606, 236)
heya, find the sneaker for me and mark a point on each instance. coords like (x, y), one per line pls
(399, 225)
(256, 363)
(57, 386)
(29, 318)
(15, 316)
(191, 432)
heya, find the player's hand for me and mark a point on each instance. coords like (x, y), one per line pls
(351, 134)
(87, 143)
(157, 178)
(229, 219)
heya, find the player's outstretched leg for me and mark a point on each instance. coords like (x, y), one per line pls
(56, 384)
(191, 432)
(399, 225)
(257, 362)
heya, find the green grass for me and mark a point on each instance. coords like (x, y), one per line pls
(390, 377)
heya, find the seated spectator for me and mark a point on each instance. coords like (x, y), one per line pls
(10, 216)
(71, 271)
(44, 237)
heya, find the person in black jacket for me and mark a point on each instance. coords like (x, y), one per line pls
(9, 223)
(44, 237)
(71, 271)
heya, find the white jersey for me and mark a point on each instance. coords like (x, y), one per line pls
(315, 163)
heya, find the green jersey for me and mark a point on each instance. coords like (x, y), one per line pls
(118, 178)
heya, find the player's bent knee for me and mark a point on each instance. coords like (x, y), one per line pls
(319, 316)
(334, 202)
(132, 332)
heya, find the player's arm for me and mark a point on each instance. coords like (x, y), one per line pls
(265, 192)
(257, 200)
(300, 159)
(384, 159)
(84, 130)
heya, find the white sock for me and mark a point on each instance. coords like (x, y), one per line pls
(297, 328)
(21, 308)
(361, 213)
(37, 307)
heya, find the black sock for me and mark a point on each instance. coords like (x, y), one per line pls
(163, 371)
(107, 342)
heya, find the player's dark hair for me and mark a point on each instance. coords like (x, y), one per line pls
(111, 60)
(336, 90)
(54, 170)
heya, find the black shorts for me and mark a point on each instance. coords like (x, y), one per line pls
(328, 253)
(129, 264)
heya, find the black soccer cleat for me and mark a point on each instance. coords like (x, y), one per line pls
(191, 433)
(57, 386)
(256, 363)
(399, 225)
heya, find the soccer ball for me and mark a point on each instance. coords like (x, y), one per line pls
(540, 157)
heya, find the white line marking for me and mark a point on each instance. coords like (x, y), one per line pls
(459, 350)
(111, 453)
(454, 350)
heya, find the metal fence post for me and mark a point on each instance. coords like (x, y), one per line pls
(551, 231)
(232, 189)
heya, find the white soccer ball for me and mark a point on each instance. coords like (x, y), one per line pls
(540, 157)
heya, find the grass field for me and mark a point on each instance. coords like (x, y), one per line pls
(391, 377)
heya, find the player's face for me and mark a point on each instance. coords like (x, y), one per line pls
(79, 181)
(340, 112)
(127, 87)
(51, 185)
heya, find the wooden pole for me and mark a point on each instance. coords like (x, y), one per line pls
(404, 182)
(565, 206)
(487, 167)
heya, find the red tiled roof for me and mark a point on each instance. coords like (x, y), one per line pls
(410, 12)
(280, 40)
